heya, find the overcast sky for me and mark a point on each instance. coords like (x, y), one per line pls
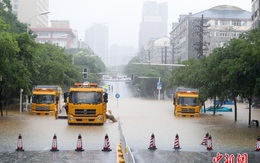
(124, 16)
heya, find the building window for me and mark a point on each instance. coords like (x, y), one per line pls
(59, 35)
(216, 22)
(222, 22)
(43, 34)
(223, 34)
(43, 41)
(236, 23)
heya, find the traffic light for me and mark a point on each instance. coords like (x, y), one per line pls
(85, 73)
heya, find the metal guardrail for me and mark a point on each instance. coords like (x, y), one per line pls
(127, 153)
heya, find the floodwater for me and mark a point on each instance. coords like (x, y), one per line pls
(139, 119)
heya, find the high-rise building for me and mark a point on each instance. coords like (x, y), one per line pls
(97, 38)
(255, 13)
(154, 23)
(197, 35)
(29, 12)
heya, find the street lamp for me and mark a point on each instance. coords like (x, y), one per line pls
(28, 22)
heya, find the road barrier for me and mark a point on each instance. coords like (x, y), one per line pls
(125, 150)
(54, 147)
(152, 145)
(205, 139)
(20, 143)
(106, 147)
(79, 146)
(176, 142)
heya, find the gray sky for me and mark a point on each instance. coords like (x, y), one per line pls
(124, 16)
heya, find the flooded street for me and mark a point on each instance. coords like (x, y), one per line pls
(139, 119)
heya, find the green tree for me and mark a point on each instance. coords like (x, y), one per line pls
(147, 76)
(229, 71)
(10, 18)
(86, 59)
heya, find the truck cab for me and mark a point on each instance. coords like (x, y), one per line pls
(46, 99)
(86, 104)
(186, 102)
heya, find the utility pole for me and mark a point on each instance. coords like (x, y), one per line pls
(149, 57)
(165, 56)
(172, 52)
(199, 31)
(162, 55)
(201, 37)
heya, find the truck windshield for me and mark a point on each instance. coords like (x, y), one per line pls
(43, 99)
(188, 101)
(85, 97)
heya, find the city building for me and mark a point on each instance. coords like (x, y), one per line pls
(196, 35)
(59, 33)
(255, 16)
(154, 23)
(159, 51)
(97, 38)
(31, 12)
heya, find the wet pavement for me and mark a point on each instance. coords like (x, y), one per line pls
(59, 156)
(139, 118)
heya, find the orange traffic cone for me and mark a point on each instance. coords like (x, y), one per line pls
(54, 144)
(79, 144)
(209, 143)
(205, 139)
(20, 143)
(176, 143)
(106, 147)
(257, 147)
(152, 145)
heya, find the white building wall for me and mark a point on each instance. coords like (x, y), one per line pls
(27, 11)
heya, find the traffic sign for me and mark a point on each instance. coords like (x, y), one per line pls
(117, 95)
(159, 85)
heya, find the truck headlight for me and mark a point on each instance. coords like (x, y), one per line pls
(100, 118)
(71, 118)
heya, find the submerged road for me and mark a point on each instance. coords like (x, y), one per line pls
(139, 118)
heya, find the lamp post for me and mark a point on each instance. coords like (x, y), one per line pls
(28, 22)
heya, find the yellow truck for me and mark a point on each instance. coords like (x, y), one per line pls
(186, 102)
(46, 99)
(86, 103)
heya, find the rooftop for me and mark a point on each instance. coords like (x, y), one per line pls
(224, 11)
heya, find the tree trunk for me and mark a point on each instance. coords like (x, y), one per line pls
(235, 105)
(249, 115)
(214, 105)
(1, 108)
